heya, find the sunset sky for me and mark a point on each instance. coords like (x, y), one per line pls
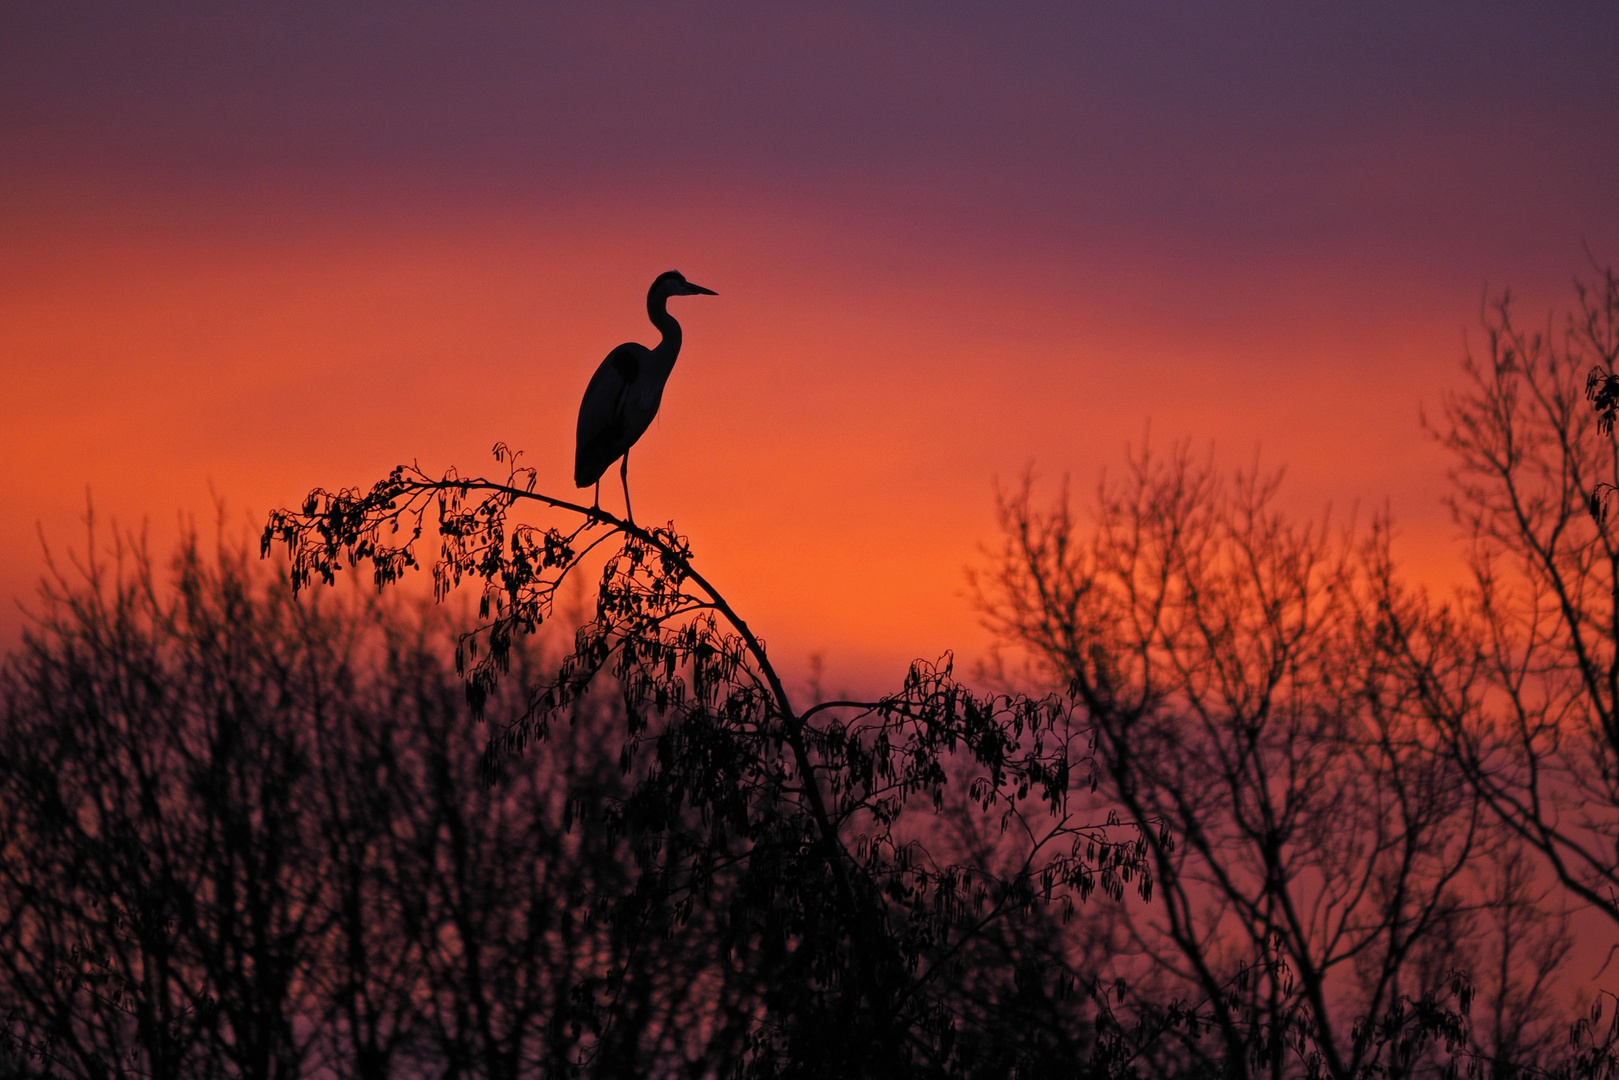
(247, 249)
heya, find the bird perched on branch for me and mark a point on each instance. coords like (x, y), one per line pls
(624, 394)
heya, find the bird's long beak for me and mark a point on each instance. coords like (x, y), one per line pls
(698, 289)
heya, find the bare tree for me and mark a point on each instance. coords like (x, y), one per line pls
(248, 835)
(1527, 703)
(156, 902)
(1252, 722)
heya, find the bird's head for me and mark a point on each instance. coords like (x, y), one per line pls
(674, 283)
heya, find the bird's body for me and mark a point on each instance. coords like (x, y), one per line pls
(624, 394)
(620, 402)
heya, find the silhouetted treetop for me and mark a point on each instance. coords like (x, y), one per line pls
(802, 817)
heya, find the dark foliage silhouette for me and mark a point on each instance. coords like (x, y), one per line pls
(793, 828)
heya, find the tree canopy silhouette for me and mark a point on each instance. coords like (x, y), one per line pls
(804, 813)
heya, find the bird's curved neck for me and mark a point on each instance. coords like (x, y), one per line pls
(657, 308)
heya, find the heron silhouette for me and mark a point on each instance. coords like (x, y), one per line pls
(624, 394)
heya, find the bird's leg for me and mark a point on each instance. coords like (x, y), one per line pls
(596, 503)
(624, 478)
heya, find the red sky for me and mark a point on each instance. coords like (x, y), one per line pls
(247, 250)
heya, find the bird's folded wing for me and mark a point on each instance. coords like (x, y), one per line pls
(602, 432)
(604, 397)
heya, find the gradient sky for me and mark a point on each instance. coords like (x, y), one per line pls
(246, 249)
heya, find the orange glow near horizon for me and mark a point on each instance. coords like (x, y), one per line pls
(831, 439)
